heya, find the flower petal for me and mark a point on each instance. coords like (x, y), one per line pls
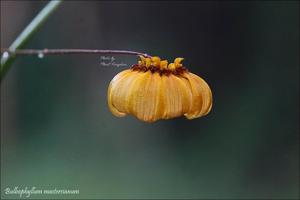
(110, 91)
(201, 96)
(171, 97)
(119, 97)
(137, 95)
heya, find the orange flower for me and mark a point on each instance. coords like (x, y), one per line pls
(153, 90)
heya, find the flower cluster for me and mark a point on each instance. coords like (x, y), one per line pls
(153, 90)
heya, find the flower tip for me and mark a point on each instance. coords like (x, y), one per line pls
(155, 60)
(171, 66)
(142, 61)
(148, 62)
(178, 61)
(142, 57)
(163, 64)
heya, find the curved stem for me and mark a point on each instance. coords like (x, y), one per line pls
(26, 34)
(69, 51)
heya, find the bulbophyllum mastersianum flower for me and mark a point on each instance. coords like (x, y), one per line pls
(153, 90)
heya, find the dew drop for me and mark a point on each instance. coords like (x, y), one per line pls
(41, 55)
(5, 55)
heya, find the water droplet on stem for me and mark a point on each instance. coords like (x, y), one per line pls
(5, 54)
(40, 55)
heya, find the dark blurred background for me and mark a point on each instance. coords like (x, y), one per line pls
(57, 131)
